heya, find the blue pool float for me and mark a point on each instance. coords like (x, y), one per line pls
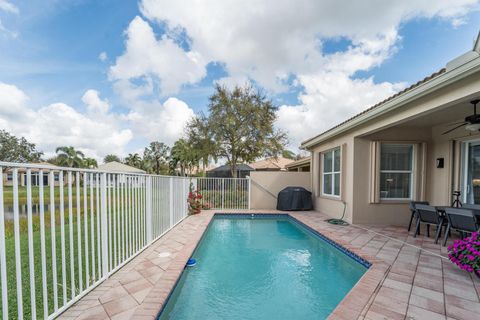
(191, 262)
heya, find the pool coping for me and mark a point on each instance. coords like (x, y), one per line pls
(353, 305)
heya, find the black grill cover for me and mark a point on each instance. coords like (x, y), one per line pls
(294, 199)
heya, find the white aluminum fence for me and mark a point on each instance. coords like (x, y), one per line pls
(224, 193)
(63, 230)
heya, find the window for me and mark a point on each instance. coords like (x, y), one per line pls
(56, 176)
(396, 171)
(9, 176)
(331, 172)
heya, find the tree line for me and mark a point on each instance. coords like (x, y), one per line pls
(238, 127)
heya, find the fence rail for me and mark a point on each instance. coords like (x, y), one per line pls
(65, 230)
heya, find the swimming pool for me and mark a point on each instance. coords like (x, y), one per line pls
(263, 267)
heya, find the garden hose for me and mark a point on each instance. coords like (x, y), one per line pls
(339, 222)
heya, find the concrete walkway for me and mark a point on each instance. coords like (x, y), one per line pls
(410, 278)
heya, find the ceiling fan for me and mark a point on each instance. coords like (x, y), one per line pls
(471, 123)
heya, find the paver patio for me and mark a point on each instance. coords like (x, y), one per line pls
(410, 278)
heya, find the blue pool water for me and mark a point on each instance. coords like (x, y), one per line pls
(262, 268)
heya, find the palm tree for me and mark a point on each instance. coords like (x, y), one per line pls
(133, 160)
(90, 163)
(183, 156)
(69, 157)
(289, 154)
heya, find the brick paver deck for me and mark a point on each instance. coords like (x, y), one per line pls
(410, 278)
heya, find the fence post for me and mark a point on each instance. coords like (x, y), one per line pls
(223, 192)
(3, 261)
(249, 185)
(149, 210)
(104, 227)
(171, 202)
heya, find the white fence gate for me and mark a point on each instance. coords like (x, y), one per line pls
(224, 193)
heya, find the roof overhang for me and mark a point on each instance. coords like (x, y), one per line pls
(450, 76)
(298, 163)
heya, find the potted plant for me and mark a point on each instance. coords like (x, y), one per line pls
(465, 253)
(195, 202)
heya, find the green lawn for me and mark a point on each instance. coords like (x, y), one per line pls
(22, 193)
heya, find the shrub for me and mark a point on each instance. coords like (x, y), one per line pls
(466, 253)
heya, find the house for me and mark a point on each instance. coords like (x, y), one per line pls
(271, 164)
(422, 143)
(224, 171)
(35, 177)
(300, 165)
(114, 166)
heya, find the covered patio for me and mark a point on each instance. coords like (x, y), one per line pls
(410, 278)
(421, 144)
(425, 161)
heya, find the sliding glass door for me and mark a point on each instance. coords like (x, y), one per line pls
(471, 172)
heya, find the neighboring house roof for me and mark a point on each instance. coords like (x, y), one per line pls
(299, 162)
(271, 163)
(119, 167)
(51, 166)
(226, 167)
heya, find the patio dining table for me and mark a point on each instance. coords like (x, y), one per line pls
(441, 209)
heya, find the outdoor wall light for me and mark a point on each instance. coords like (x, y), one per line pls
(440, 163)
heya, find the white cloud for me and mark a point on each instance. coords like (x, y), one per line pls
(97, 132)
(158, 122)
(92, 100)
(329, 98)
(12, 100)
(267, 40)
(272, 41)
(59, 124)
(159, 60)
(103, 56)
(8, 7)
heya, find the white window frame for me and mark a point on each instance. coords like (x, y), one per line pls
(411, 171)
(332, 173)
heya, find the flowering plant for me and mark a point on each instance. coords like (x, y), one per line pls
(466, 253)
(195, 203)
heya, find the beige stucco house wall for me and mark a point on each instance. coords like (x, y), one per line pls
(265, 186)
(417, 116)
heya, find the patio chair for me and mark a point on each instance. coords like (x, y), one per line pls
(462, 220)
(474, 207)
(412, 205)
(429, 216)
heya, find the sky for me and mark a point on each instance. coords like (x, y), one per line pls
(110, 76)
